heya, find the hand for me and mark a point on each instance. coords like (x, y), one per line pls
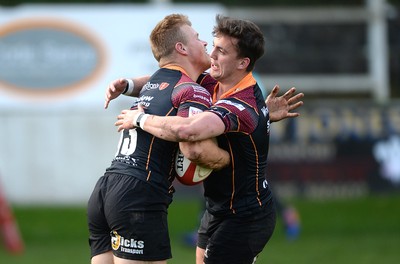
(127, 117)
(114, 89)
(281, 107)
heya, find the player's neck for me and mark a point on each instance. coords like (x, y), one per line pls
(188, 68)
(227, 83)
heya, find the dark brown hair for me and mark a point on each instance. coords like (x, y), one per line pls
(250, 37)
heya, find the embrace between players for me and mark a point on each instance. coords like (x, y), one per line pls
(218, 120)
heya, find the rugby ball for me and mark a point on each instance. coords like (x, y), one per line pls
(189, 173)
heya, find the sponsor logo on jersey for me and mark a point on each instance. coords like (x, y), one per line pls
(200, 89)
(264, 110)
(163, 86)
(194, 110)
(126, 245)
(202, 94)
(151, 86)
(203, 98)
(237, 105)
(145, 100)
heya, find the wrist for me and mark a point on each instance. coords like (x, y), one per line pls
(139, 119)
(130, 85)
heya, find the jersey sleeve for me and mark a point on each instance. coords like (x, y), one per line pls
(237, 115)
(190, 98)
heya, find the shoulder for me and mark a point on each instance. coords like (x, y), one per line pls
(241, 100)
(207, 82)
(190, 92)
(238, 111)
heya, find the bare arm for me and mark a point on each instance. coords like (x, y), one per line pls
(196, 134)
(173, 128)
(281, 107)
(205, 153)
(117, 87)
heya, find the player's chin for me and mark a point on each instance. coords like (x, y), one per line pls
(215, 74)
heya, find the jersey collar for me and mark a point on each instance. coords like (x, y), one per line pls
(246, 82)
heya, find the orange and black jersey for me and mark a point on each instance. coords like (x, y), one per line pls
(241, 187)
(169, 92)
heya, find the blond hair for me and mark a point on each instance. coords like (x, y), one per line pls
(166, 34)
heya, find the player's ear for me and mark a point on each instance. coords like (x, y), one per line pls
(243, 63)
(180, 48)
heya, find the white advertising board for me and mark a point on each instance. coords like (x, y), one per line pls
(68, 53)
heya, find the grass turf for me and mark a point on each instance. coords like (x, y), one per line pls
(363, 230)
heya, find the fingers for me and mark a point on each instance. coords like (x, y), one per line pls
(296, 105)
(120, 123)
(106, 103)
(122, 82)
(292, 115)
(114, 89)
(108, 96)
(121, 116)
(289, 93)
(140, 107)
(295, 98)
(124, 121)
(274, 91)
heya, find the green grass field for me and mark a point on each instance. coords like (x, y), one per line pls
(356, 231)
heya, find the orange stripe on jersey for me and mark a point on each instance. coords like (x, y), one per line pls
(148, 176)
(233, 178)
(175, 67)
(148, 155)
(257, 172)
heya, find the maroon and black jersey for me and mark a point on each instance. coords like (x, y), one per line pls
(169, 92)
(241, 187)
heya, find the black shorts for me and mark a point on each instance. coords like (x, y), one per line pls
(235, 239)
(118, 220)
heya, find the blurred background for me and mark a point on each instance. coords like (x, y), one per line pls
(335, 169)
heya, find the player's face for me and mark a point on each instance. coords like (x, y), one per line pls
(224, 58)
(197, 49)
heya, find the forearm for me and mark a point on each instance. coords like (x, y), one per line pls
(174, 128)
(166, 127)
(206, 153)
(136, 85)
